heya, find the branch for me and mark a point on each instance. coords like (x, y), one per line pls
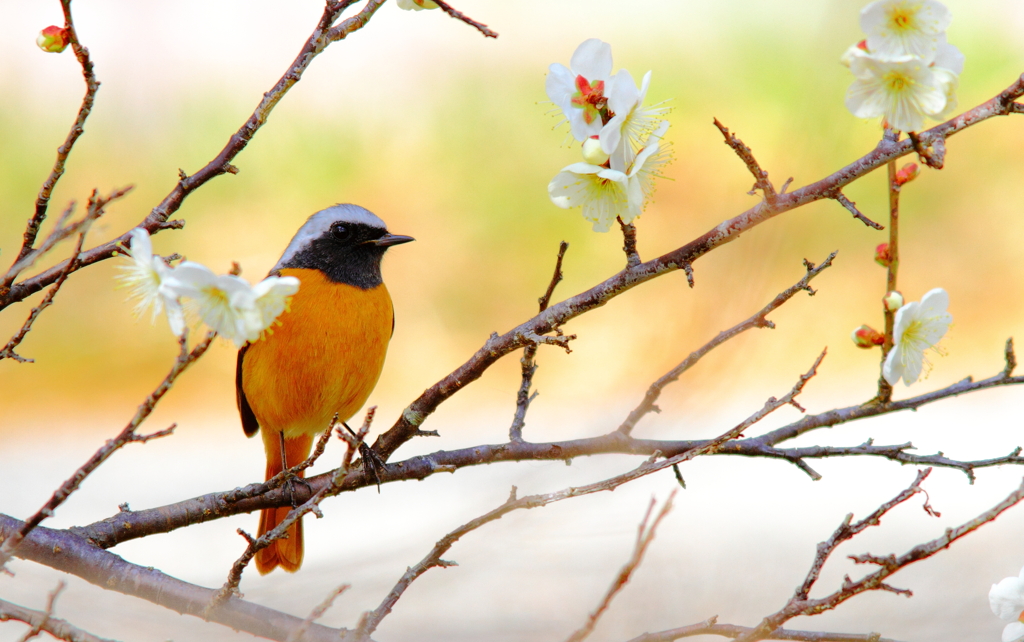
(759, 320)
(852, 208)
(523, 398)
(644, 537)
(127, 435)
(157, 220)
(91, 87)
(43, 621)
(8, 350)
(761, 181)
(709, 627)
(408, 425)
(371, 620)
(800, 604)
(70, 553)
(479, 26)
(127, 526)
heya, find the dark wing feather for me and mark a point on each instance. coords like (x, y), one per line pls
(249, 423)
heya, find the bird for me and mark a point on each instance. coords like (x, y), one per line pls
(324, 355)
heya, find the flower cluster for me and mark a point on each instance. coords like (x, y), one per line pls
(621, 137)
(1007, 601)
(905, 70)
(227, 304)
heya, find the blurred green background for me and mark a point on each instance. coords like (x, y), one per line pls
(449, 137)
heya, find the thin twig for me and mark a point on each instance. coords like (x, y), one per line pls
(40, 625)
(710, 627)
(43, 621)
(852, 208)
(91, 87)
(127, 435)
(8, 350)
(317, 613)
(458, 15)
(759, 320)
(528, 363)
(892, 271)
(644, 537)
(761, 181)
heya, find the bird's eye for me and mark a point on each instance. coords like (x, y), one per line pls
(341, 232)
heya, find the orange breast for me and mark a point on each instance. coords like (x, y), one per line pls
(323, 357)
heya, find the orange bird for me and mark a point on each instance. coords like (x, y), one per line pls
(325, 354)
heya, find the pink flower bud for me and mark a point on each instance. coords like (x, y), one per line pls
(907, 173)
(867, 337)
(882, 256)
(892, 301)
(53, 39)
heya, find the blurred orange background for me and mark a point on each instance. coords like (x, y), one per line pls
(449, 137)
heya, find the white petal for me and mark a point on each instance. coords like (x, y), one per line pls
(141, 246)
(592, 60)
(1013, 632)
(947, 56)
(560, 86)
(892, 370)
(1006, 599)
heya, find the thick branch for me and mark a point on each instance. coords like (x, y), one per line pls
(72, 554)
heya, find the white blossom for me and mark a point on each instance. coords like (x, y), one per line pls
(607, 193)
(272, 295)
(147, 279)
(579, 90)
(905, 27)
(919, 326)
(632, 121)
(1007, 601)
(904, 90)
(225, 303)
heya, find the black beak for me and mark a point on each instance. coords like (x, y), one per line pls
(391, 239)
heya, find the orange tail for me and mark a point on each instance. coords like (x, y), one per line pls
(285, 552)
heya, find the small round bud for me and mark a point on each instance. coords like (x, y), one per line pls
(53, 39)
(907, 173)
(892, 301)
(592, 152)
(882, 256)
(867, 337)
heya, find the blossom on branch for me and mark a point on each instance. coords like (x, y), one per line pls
(905, 27)
(1007, 601)
(903, 90)
(607, 193)
(919, 326)
(148, 279)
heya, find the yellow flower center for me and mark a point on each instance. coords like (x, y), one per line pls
(897, 82)
(901, 17)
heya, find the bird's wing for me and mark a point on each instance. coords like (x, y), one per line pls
(249, 423)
